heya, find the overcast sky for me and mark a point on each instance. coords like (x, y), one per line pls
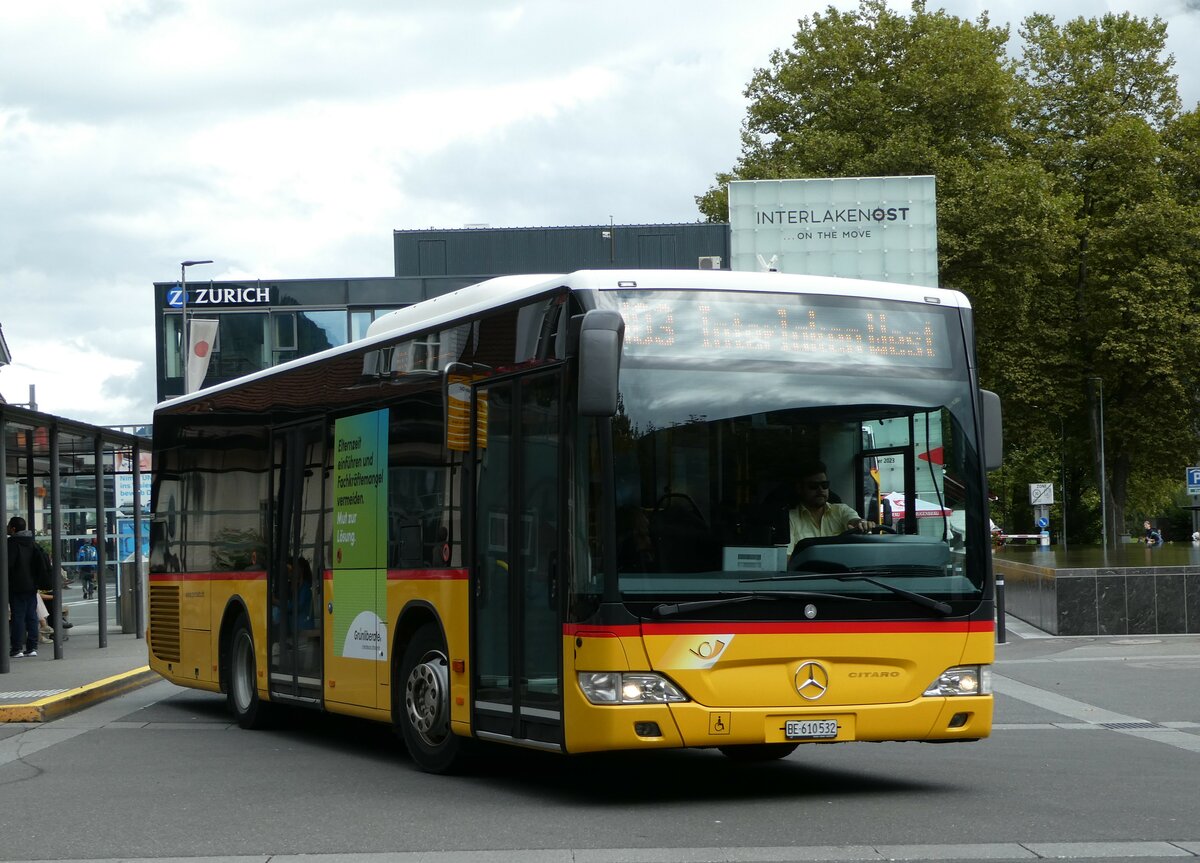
(288, 138)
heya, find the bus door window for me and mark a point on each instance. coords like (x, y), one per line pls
(297, 557)
(493, 480)
(884, 488)
(539, 499)
(904, 476)
(516, 505)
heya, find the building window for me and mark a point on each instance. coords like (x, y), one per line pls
(173, 347)
(359, 321)
(320, 330)
(243, 347)
(285, 331)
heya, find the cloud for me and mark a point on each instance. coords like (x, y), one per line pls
(287, 138)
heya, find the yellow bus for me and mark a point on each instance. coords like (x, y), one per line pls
(558, 512)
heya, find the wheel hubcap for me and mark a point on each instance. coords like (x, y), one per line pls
(243, 672)
(427, 698)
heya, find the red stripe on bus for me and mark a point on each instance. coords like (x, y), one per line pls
(591, 631)
(208, 576)
(808, 626)
(393, 574)
(776, 628)
(426, 574)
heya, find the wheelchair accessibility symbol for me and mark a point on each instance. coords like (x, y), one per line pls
(718, 723)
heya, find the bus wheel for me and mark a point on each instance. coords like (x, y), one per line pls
(241, 684)
(423, 704)
(756, 753)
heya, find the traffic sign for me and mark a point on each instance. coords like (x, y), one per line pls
(1041, 493)
(1193, 480)
(1043, 522)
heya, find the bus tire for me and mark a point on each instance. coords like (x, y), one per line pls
(241, 686)
(758, 753)
(422, 709)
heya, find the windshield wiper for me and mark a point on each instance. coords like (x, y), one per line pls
(919, 598)
(669, 609)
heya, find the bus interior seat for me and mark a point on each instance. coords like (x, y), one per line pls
(683, 540)
(766, 521)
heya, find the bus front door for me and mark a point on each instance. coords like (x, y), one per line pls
(516, 621)
(295, 565)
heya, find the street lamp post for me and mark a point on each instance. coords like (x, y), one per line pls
(187, 346)
(1103, 472)
(1062, 456)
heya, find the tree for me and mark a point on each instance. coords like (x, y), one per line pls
(1068, 187)
(1101, 100)
(873, 93)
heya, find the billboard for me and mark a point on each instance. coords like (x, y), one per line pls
(882, 228)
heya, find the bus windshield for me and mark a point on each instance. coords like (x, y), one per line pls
(727, 401)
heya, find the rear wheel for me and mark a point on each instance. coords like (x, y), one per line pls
(241, 684)
(422, 709)
(756, 753)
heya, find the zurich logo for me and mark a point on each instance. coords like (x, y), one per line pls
(175, 297)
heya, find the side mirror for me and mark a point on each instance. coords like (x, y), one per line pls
(600, 338)
(993, 432)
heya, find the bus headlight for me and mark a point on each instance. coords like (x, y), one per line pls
(628, 687)
(963, 680)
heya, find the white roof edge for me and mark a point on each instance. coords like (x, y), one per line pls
(492, 292)
(762, 282)
(505, 290)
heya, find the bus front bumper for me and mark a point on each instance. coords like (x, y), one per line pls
(688, 724)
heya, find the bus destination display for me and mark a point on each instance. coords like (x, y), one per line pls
(696, 326)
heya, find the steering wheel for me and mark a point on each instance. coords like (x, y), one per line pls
(658, 505)
(879, 528)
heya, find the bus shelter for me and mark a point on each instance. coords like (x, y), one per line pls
(77, 484)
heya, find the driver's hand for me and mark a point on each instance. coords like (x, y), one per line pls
(861, 525)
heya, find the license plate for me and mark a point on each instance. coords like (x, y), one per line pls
(810, 729)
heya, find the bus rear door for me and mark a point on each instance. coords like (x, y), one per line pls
(296, 564)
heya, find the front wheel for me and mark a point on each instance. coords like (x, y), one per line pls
(241, 684)
(422, 709)
(757, 753)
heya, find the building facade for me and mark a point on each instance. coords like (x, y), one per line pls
(253, 325)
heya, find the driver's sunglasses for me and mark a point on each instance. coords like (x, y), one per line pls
(816, 485)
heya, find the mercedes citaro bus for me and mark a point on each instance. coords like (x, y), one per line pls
(553, 511)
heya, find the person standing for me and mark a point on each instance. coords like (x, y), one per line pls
(27, 570)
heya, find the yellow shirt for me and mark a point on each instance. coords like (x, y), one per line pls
(835, 519)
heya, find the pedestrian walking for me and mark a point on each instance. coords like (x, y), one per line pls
(86, 556)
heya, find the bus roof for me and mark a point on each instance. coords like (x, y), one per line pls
(507, 290)
(503, 290)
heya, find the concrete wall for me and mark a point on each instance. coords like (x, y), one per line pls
(1102, 600)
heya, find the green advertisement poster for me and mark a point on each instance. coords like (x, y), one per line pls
(360, 536)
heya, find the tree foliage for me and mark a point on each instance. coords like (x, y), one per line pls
(1068, 206)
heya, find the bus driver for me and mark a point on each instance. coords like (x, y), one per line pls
(815, 515)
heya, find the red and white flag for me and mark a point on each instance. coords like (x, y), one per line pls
(202, 336)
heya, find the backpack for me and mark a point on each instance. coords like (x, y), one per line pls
(43, 572)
